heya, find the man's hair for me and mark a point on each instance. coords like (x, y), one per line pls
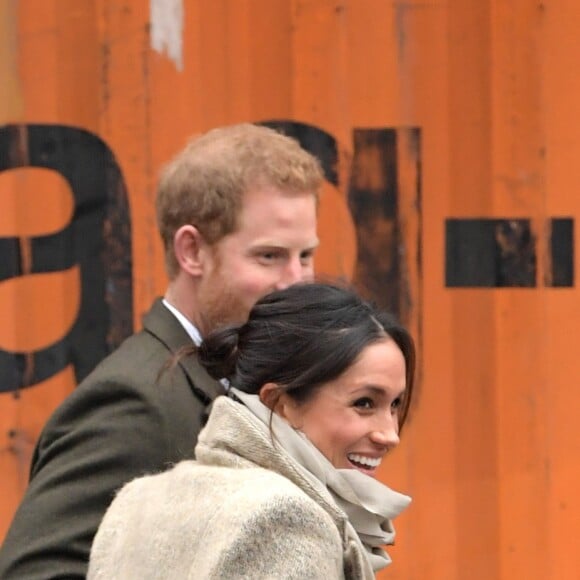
(205, 183)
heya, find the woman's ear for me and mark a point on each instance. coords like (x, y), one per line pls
(280, 403)
(189, 247)
(269, 395)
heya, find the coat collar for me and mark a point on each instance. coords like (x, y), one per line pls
(163, 325)
(233, 428)
(233, 438)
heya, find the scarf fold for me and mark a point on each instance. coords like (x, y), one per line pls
(368, 504)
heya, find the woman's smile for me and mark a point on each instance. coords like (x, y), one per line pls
(364, 463)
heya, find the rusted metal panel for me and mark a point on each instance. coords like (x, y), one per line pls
(448, 132)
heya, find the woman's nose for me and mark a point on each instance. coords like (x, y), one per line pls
(387, 432)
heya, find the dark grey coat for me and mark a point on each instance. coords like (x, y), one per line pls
(129, 417)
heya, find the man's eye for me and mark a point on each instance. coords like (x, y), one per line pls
(364, 403)
(396, 404)
(269, 256)
(307, 256)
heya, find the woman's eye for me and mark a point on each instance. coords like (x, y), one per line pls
(364, 403)
(397, 403)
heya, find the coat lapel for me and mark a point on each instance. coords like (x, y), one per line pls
(166, 328)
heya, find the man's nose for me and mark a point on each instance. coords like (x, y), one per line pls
(294, 272)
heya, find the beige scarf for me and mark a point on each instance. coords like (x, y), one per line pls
(369, 504)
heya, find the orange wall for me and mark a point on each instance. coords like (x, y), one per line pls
(481, 99)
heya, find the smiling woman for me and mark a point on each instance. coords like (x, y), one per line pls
(320, 386)
(354, 419)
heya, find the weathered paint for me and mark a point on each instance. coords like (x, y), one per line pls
(10, 90)
(481, 103)
(167, 23)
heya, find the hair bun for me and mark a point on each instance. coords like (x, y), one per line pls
(218, 353)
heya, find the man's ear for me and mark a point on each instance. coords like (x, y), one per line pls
(280, 402)
(190, 248)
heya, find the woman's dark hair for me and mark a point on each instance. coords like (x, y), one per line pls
(301, 337)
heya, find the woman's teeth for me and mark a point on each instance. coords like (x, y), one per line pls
(368, 462)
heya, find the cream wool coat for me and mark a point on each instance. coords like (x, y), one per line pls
(242, 510)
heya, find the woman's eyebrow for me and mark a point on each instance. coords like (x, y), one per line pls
(376, 390)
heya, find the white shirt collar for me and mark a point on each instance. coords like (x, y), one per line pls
(189, 327)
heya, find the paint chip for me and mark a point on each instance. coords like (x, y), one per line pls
(167, 29)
